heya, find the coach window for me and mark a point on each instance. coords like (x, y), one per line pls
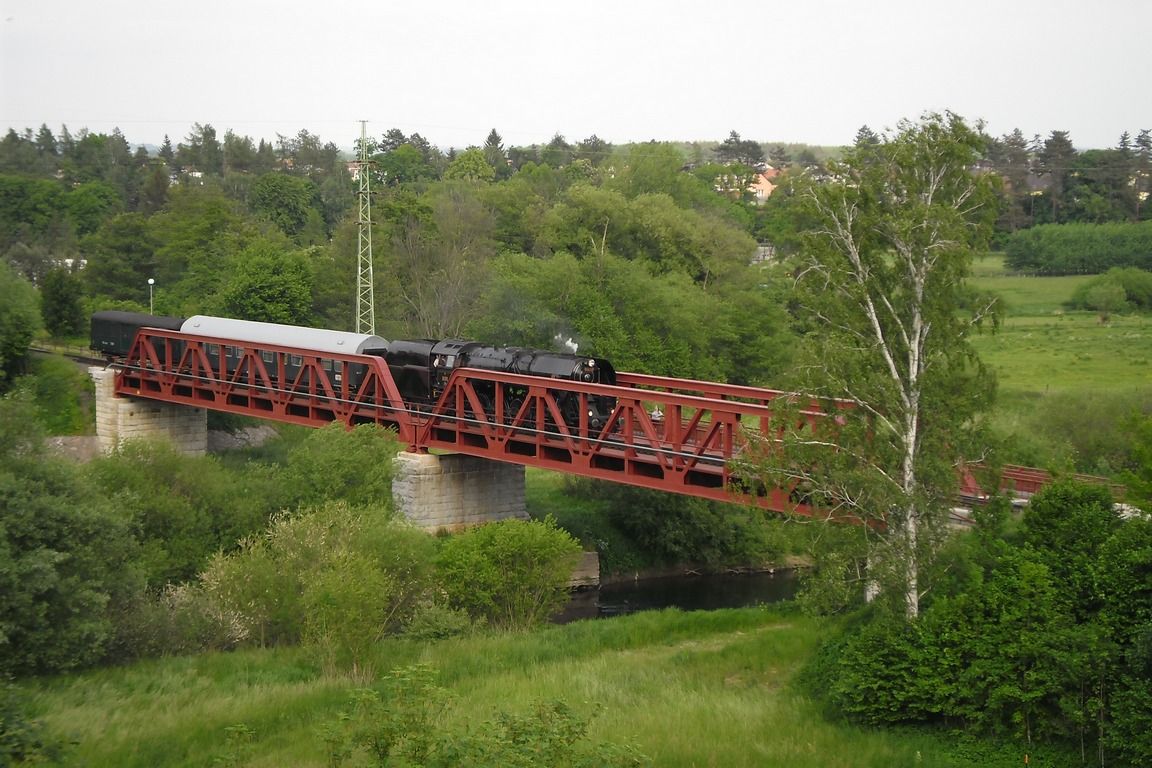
(268, 356)
(295, 360)
(214, 349)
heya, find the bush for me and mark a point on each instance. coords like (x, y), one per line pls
(1046, 638)
(66, 556)
(1067, 523)
(61, 394)
(403, 721)
(180, 619)
(676, 529)
(335, 463)
(1117, 289)
(184, 508)
(19, 322)
(22, 739)
(434, 621)
(349, 603)
(879, 675)
(338, 575)
(1093, 430)
(513, 573)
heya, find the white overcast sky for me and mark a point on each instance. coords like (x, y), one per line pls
(810, 71)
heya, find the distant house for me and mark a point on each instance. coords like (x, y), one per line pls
(762, 185)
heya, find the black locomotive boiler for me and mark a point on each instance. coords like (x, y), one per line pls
(422, 368)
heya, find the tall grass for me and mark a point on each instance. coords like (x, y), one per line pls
(687, 689)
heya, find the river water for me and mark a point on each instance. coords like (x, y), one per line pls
(690, 593)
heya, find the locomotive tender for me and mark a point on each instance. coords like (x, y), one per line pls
(420, 367)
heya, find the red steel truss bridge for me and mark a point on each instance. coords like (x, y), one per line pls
(675, 435)
(669, 434)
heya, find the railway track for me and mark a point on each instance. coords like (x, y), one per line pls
(76, 354)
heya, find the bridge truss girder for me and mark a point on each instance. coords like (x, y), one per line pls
(667, 434)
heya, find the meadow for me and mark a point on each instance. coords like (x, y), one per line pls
(684, 689)
(1050, 361)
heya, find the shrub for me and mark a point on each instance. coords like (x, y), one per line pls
(349, 603)
(179, 619)
(337, 575)
(335, 463)
(879, 675)
(62, 395)
(66, 556)
(184, 508)
(19, 322)
(676, 529)
(1046, 639)
(402, 722)
(434, 621)
(513, 573)
(1117, 289)
(1094, 429)
(1067, 523)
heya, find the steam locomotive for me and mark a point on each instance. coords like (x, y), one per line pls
(420, 367)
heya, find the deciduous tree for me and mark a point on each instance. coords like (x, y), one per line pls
(60, 298)
(19, 321)
(880, 288)
(471, 165)
(269, 285)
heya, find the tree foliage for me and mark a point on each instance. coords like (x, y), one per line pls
(289, 202)
(471, 165)
(65, 556)
(61, 296)
(512, 573)
(880, 290)
(269, 285)
(1062, 249)
(19, 322)
(1041, 639)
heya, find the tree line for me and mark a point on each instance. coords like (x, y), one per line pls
(631, 256)
(1065, 249)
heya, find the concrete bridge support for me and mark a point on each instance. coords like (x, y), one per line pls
(453, 491)
(119, 419)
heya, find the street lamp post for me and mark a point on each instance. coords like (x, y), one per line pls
(151, 282)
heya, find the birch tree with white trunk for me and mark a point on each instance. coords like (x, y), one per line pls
(880, 293)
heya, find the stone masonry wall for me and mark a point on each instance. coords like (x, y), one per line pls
(119, 419)
(452, 491)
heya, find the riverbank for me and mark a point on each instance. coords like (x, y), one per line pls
(685, 689)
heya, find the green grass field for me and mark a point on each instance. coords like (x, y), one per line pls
(1042, 349)
(686, 689)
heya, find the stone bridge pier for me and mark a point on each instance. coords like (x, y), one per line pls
(439, 492)
(119, 419)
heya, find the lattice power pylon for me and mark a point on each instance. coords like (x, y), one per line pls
(365, 290)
